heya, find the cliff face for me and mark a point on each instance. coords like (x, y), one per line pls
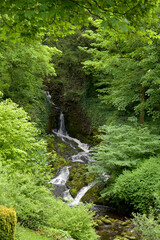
(77, 123)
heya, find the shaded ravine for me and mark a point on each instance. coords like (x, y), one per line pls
(81, 155)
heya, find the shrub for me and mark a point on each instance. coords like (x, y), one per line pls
(138, 187)
(20, 144)
(148, 226)
(7, 223)
(123, 147)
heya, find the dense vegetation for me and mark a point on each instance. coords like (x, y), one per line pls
(109, 66)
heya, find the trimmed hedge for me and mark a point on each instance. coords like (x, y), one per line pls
(8, 222)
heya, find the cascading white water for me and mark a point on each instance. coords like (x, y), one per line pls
(67, 196)
(83, 146)
(62, 178)
(81, 157)
(48, 96)
(81, 193)
(62, 128)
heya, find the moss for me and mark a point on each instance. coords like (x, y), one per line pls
(120, 238)
(62, 147)
(93, 195)
(73, 192)
(50, 145)
(127, 222)
(107, 221)
(78, 178)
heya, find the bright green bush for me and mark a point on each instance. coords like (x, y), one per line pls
(8, 222)
(20, 145)
(140, 186)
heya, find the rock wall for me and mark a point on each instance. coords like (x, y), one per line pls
(77, 123)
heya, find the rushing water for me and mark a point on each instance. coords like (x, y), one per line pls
(81, 155)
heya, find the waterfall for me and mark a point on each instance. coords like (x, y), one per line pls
(62, 128)
(82, 156)
(81, 193)
(62, 178)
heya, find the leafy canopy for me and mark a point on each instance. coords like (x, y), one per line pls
(31, 17)
(125, 69)
(23, 68)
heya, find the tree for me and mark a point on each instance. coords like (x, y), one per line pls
(125, 70)
(121, 147)
(29, 18)
(23, 68)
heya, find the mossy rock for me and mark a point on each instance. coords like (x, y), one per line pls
(120, 238)
(92, 195)
(127, 222)
(50, 145)
(73, 192)
(107, 221)
(78, 179)
(58, 163)
(99, 222)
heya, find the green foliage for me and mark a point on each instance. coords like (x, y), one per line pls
(8, 222)
(23, 68)
(99, 113)
(125, 69)
(27, 234)
(148, 226)
(140, 186)
(56, 234)
(20, 146)
(36, 208)
(123, 147)
(32, 18)
(68, 66)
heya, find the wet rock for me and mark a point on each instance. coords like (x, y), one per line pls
(120, 238)
(107, 221)
(128, 222)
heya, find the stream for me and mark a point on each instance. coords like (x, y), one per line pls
(113, 224)
(81, 156)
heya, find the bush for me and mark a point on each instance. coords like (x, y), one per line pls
(20, 143)
(8, 222)
(148, 226)
(123, 147)
(138, 187)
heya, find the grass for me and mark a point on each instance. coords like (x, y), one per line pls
(27, 234)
